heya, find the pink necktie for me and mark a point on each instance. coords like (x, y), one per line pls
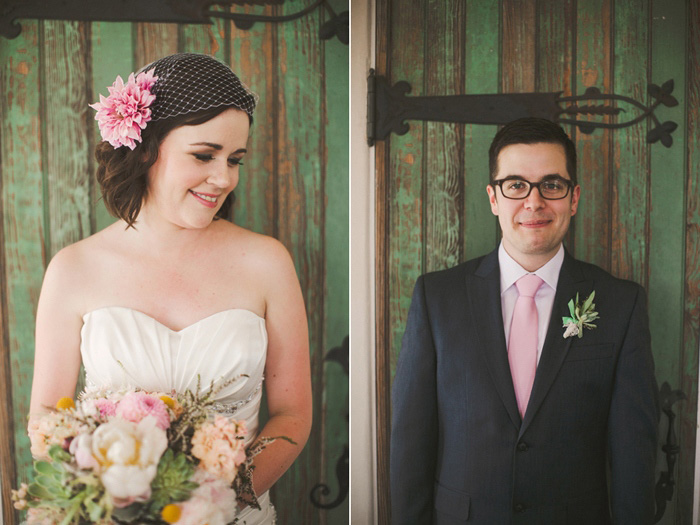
(522, 343)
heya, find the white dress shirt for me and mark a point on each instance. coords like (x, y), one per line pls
(511, 271)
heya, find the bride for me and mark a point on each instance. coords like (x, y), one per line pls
(171, 291)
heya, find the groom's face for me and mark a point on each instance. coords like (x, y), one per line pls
(534, 227)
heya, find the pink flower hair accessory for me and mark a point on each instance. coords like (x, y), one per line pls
(125, 112)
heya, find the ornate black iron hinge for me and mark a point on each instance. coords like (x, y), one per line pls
(339, 354)
(165, 11)
(388, 109)
(666, 482)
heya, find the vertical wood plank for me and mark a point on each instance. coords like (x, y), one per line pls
(555, 39)
(154, 41)
(382, 289)
(111, 54)
(405, 190)
(7, 449)
(667, 219)
(24, 248)
(337, 255)
(556, 33)
(519, 51)
(301, 190)
(481, 72)
(209, 39)
(593, 69)
(691, 319)
(444, 143)
(630, 211)
(66, 145)
(254, 57)
(406, 169)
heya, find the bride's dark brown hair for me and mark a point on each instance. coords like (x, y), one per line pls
(122, 172)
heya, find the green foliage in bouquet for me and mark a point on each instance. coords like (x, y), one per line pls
(172, 481)
(57, 486)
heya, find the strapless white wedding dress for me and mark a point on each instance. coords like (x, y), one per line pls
(122, 347)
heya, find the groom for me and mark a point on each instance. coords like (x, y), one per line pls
(500, 413)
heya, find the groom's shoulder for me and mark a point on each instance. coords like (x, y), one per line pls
(449, 277)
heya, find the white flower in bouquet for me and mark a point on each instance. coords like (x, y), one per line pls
(81, 448)
(128, 454)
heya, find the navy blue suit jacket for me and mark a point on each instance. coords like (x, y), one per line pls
(460, 452)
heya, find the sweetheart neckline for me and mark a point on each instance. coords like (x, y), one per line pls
(134, 310)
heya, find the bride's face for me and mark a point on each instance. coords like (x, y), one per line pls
(197, 168)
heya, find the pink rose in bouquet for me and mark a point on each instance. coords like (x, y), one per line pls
(137, 405)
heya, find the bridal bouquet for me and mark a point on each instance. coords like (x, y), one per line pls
(138, 457)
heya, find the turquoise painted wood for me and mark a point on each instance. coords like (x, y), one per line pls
(593, 59)
(481, 75)
(294, 186)
(691, 272)
(638, 216)
(24, 238)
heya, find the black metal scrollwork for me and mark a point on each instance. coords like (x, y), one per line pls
(342, 472)
(165, 11)
(339, 354)
(389, 108)
(666, 483)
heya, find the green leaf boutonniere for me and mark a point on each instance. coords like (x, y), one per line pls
(582, 316)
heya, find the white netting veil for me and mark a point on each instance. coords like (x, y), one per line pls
(189, 82)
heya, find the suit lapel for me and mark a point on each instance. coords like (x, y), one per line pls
(484, 291)
(555, 347)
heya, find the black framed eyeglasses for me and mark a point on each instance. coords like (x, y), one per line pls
(552, 189)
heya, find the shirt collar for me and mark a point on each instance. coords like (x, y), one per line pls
(511, 271)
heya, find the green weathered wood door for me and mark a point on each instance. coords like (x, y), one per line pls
(294, 187)
(639, 215)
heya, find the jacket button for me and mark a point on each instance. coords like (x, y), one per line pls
(522, 447)
(519, 507)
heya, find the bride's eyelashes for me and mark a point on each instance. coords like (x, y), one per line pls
(205, 157)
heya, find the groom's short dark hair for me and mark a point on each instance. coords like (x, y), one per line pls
(531, 130)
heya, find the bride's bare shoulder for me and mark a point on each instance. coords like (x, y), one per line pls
(262, 251)
(76, 262)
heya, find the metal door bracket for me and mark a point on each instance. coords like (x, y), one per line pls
(389, 107)
(165, 11)
(666, 482)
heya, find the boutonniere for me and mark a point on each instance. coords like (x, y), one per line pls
(582, 316)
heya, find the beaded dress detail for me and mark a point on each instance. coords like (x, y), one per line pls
(122, 347)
